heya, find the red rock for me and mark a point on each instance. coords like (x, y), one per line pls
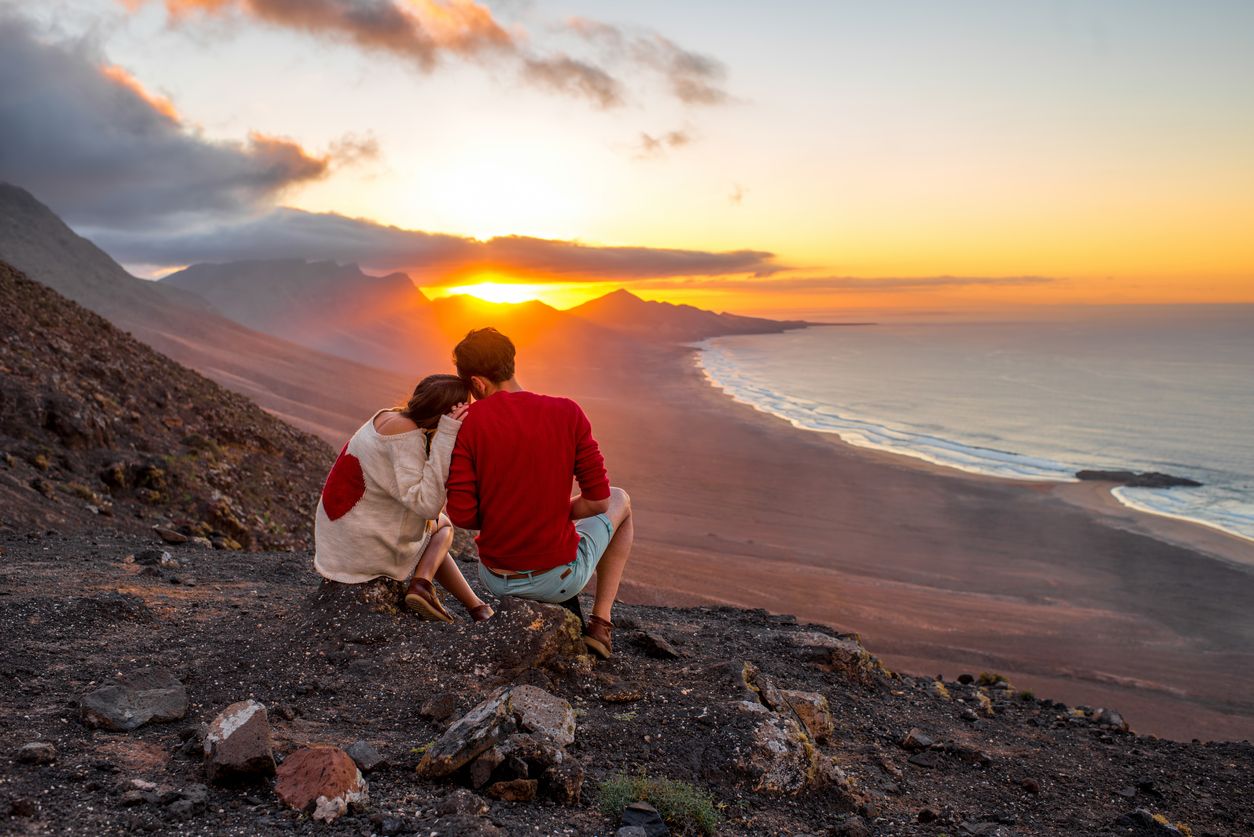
(323, 778)
(515, 790)
(238, 746)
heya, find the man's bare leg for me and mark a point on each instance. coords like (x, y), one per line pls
(614, 561)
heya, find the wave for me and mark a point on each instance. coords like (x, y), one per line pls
(1212, 506)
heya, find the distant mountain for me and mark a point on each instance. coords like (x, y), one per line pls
(383, 321)
(625, 312)
(322, 393)
(93, 422)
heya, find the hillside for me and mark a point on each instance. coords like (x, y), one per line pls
(383, 321)
(318, 392)
(625, 312)
(95, 425)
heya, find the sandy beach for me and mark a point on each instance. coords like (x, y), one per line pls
(1058, 587)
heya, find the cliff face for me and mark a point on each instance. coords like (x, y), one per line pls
(95, 426)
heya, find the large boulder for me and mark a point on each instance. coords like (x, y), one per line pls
(134, 699)
(525, 634)
(780, 757)
(238, 746)
(841, 654)
(322, 779)
(473, 734)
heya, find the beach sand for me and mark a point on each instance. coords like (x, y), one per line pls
(1058, 587)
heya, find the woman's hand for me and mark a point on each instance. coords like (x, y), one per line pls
(459, 411)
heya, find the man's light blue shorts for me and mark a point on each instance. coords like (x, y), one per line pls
(557, 585)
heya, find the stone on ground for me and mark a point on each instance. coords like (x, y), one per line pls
(238, 746)
(134, 699)
(643, 816)
(37, 752)
(323, 779)
(533, 635)
(365, 755)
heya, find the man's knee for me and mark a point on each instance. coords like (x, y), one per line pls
(620, 505)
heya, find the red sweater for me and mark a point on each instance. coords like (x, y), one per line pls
(510, 478)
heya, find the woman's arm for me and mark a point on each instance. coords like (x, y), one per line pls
(421, 476)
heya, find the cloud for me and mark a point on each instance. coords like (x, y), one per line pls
(570, 75)
(850, 284)
(92, 142)
(651, 146)
(424, 31)
(433, 258)
(694, 79)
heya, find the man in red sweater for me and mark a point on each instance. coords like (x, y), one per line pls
(510, 477)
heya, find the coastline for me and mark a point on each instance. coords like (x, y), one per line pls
(1074, 597)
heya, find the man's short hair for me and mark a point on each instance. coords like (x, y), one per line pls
(487, 353)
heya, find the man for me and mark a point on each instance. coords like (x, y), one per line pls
(510, 478)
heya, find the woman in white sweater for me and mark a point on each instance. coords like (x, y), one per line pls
(380, 512)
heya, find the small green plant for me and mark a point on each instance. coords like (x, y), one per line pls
(685, 807)
(988, 678)
(1027, 695)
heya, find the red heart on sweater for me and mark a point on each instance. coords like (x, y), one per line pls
(345, 485)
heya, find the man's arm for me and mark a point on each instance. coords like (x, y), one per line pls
(463, 487)
(594, 482)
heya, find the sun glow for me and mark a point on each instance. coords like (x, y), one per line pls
(496, 292)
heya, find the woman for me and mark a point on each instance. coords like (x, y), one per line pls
(380, 509)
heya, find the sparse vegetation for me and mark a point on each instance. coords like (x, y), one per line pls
(991, 678)
(685, 807)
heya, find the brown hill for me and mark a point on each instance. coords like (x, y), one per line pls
(383, 321)
(625, 312)
(321, 393)
(93, 422)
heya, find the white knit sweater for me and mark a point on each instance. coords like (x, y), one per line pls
(377, 508)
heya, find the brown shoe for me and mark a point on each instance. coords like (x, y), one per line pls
(598, 636)
(422, 599)
(482, 613)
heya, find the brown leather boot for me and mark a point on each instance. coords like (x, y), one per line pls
(482, 613)
(598, 636)
(422, 599)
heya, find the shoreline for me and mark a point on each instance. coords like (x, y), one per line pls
(1216, 539)
(939, 570)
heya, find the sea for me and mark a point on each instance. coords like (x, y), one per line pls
(1144, 388)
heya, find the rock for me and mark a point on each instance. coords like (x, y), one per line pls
(460, 825)
(810, 709)
(323, 779)
(152, 557)
(1132, 479)
(644, 816)
(37, 752)
(1030, 785)
(841, 654)
(781, 758)
(533, 635)
(563, 782)
(655, 645)
(462, 801)
(966, 679)
(927, 758)
(968, 714)
(438, 707)
(134, 699)
(170, 536)
(543, 714)
(505, 711)
(927, 815)
(23, 806)
(631, 831)
(1110, 718)
(514, 790)
(238, 746)
(850, 825)
(916, 740)
(474, 733)
(366, 756)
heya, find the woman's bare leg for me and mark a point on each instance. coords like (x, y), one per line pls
(437, 564)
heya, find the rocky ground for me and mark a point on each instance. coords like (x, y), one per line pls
(791, 729)
(95, 424)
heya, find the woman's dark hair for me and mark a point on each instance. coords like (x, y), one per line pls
(487, 353)
(434, 396)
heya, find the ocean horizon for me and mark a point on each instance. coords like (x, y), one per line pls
(1167, 389)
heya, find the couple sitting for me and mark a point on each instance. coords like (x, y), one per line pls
(502, 465)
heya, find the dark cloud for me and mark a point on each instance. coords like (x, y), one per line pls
(853, 284)
(91, 142)
(430, 257)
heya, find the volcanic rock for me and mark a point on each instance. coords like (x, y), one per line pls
(37, 752)
(134, 699)
(812, 709)
(525, 634)
(514, 790)
(780, 757)
(645, 817)
(322, 778)
(238, 746)
(916, 739)
(366, 756)
(655, 645)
